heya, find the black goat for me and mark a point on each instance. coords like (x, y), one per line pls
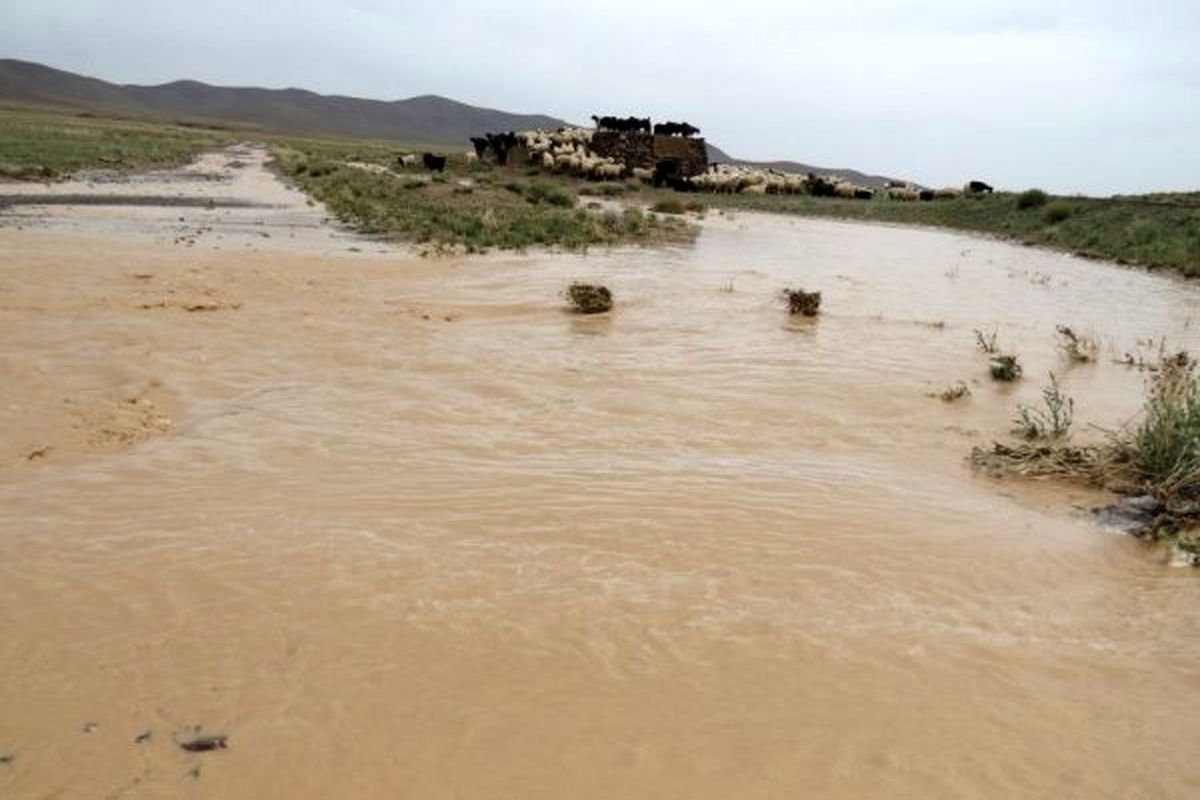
(979, 187)
(675, 129)
(434, 163)
(622, 125)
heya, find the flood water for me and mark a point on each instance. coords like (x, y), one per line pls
(406, 528)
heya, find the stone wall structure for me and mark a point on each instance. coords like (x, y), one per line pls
(687, 155)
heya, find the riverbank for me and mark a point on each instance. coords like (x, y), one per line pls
(1155, 232)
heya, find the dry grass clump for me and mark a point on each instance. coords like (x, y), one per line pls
(1043, 461)
(1079, 349)
(801, 302)
(587, 298)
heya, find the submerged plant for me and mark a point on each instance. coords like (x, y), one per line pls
(955, 391)
(1051, 422)
(1004, 368)
(1080, 349)
(986, 342)
(802, 302)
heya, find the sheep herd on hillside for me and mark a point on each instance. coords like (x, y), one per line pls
(568, 151)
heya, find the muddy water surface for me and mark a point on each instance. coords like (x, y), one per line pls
(405, 528)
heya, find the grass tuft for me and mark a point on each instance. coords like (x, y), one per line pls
(1051, 422)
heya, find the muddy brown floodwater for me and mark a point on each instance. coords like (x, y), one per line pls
(406, 528)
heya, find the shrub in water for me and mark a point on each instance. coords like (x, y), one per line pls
(1004, 368)
(802, 302)
(589, 298)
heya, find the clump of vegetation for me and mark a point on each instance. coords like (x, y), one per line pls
(1031, 198)
(1156, 463)
(536, 192)
(674, 205)
(1051, 422)
(986, 342)
(1004, 368)
(1077, 348)
(953, 392)
(801, 302)
(1167, 442)
(588, 298)
(1057, 212)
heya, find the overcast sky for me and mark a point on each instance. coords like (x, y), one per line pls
(1093, 96)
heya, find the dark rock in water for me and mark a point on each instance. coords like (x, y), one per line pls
(1131, 514)
(90, 727)
(590, 299)
(802, 302)
(203, 744)
(143, 737)
(7, 758)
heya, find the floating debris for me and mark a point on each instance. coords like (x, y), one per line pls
(90, 727)
(203, 744)
(143, 737)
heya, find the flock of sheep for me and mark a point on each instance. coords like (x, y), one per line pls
(568, 151)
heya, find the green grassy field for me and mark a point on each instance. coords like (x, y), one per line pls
(475, 207)
(37, 145)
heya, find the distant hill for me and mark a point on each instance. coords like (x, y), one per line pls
(428, 118)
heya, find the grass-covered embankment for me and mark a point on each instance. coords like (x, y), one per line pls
(1151, 231)
(475, 207)
(44, 146)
